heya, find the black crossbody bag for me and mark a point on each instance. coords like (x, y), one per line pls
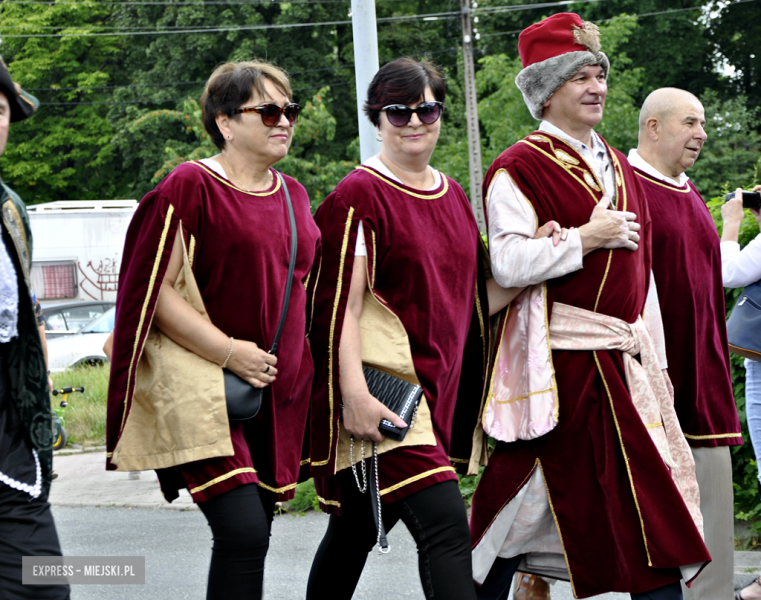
(244, 400)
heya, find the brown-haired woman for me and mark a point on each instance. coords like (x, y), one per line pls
(402, 287)
(221, 224)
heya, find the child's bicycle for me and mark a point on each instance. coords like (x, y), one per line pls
(59, 431)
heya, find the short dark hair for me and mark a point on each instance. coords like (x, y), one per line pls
(231, 85)
(402, 81)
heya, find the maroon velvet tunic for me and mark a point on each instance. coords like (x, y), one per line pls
(687, 270)
(240, 259)
(424, 265)
(622, 522)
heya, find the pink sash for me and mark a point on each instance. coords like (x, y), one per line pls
(578, 329)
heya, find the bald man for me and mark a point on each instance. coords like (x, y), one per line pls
(687, 271)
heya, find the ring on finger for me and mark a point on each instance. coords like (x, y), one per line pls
(267, 370)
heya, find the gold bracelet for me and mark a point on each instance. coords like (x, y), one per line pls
(229, 353)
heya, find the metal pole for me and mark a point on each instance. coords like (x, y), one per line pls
(365, 33)
(471, 109)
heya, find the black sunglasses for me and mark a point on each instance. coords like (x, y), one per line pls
(399, 114)
(271, 113)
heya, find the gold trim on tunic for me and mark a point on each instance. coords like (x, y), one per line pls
(151, 283)
(216, 480)
(339, 285)
(236, 188)
(433, 196)
(415, 478)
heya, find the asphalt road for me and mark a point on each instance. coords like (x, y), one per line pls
(176, 546)
(101, 513)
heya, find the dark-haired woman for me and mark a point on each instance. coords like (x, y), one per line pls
(402, 288)
(205, 268)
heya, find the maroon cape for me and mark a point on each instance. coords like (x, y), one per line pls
(622, 522)
(423, 257)
(687, 271)
(240, 243)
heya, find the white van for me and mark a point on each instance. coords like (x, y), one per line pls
(78, 248)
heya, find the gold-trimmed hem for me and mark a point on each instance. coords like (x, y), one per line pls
(715, 436)
(141, 322)
(444, 183)
(626, 457)
(482, 326)
(224, 477)
(415, 478)
(304, 462)
(329, 502)
(339, 285)
(109, 454)
(654, 425)
(235, 187)
(280, 490)
(459, 461)
(674, 188)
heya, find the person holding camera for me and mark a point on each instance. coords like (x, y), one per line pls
(741, 267)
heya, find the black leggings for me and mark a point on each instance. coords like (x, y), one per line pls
(499, 580)
(435, 517)
(240, 522)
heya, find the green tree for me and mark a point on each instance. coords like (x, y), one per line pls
(55, 154)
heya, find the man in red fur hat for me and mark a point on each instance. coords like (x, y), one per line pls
(591, 479)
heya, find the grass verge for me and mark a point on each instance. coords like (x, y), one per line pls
(85, 416)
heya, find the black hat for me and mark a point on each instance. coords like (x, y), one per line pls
(22, 104)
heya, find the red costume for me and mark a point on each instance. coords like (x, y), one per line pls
(622, 523)
(424, 266)
(238, 244)
(692, 304)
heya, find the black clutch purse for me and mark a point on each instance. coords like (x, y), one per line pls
(744, 324)
(243, 399)
(397, 394)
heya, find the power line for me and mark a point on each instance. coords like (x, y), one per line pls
(194, 29)
(203, 82)
(639, 16)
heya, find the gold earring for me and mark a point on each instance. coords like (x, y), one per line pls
(379, 137)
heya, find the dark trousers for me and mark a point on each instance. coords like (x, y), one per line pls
(499, 581)
(436, 519)
(26, 529)
(240, 522)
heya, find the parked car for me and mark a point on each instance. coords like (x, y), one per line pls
(66, 318)
(84, 347)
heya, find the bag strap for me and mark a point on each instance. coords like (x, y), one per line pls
(375, 502)
(291, 266)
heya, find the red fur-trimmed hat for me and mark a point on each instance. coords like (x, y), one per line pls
(552, 51)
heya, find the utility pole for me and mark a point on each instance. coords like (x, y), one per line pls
(365, 32)
(471, 109)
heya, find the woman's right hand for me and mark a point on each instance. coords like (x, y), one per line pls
(362, 413)
(253, 364)
(609, 229)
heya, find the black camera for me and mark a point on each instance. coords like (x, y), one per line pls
(750, 199)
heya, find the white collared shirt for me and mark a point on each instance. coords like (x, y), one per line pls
(635, 160)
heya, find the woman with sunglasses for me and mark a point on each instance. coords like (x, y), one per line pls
(220, 225)
(402, 288)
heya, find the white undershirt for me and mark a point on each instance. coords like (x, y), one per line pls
(374, 162)
(214, 166)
